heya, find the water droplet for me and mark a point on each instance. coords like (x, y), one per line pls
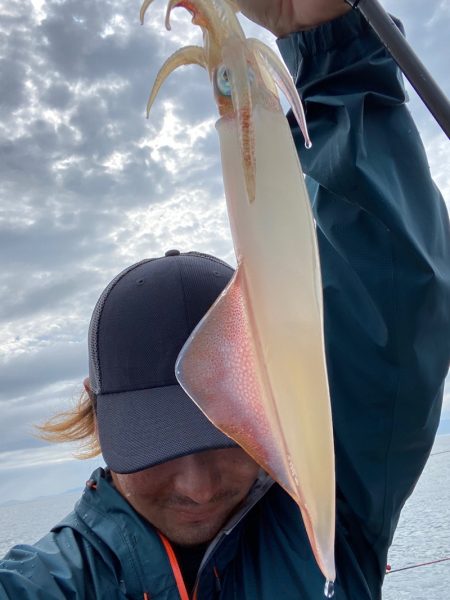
(328, 589)
(308, 144)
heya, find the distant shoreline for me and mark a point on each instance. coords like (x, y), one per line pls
(440, 437)
(66, 493)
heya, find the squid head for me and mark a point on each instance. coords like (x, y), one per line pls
(242, 72)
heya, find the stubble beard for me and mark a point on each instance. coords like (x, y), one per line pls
(201, 531)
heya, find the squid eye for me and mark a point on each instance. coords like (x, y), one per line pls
(223, 81)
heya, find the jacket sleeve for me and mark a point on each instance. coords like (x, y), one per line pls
(384, 244)
(52, 569)
(59, 566)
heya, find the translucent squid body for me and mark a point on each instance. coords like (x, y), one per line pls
(255, 364)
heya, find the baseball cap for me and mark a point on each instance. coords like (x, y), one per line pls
(138, 327)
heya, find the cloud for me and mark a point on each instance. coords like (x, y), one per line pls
(34, 370)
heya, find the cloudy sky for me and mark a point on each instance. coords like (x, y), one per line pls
(88, 186)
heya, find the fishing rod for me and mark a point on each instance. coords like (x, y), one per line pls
(390, 570)
(415, 71)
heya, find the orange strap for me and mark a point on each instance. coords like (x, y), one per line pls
(175, 567)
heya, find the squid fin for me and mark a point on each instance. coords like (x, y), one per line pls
(189, 55)
(218, 368)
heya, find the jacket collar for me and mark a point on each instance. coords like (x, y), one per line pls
(109, 523)
(116, 530)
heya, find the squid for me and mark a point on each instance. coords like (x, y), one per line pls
(255, 364)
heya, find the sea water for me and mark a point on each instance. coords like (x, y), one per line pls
(423, 533)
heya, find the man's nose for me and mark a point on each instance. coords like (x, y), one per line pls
(197, 479)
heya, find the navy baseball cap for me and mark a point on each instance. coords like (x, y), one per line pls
(138, 327)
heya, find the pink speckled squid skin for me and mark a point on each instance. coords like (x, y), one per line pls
(219, 366)
(255, 364)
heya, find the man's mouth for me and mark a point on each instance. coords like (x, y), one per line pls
(202, 513)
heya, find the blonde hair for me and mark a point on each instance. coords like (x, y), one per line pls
(74, 425)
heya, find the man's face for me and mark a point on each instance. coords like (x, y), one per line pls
(189, 499)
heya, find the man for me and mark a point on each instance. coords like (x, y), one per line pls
(180, 506)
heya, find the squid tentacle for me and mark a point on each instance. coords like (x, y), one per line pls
(189, 55)
(202, 17)
(143, 10)
(205, 14)
(189, 6)
(284, 81)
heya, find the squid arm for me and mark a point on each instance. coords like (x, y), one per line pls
(284, 81)
(255, 364)
(185, 56)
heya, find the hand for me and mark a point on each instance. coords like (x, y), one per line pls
(282, 17)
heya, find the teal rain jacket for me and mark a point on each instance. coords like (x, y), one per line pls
(384, 244)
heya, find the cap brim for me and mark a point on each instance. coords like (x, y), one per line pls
(143, 428)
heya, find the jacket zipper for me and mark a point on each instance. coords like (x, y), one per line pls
(265, 483)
